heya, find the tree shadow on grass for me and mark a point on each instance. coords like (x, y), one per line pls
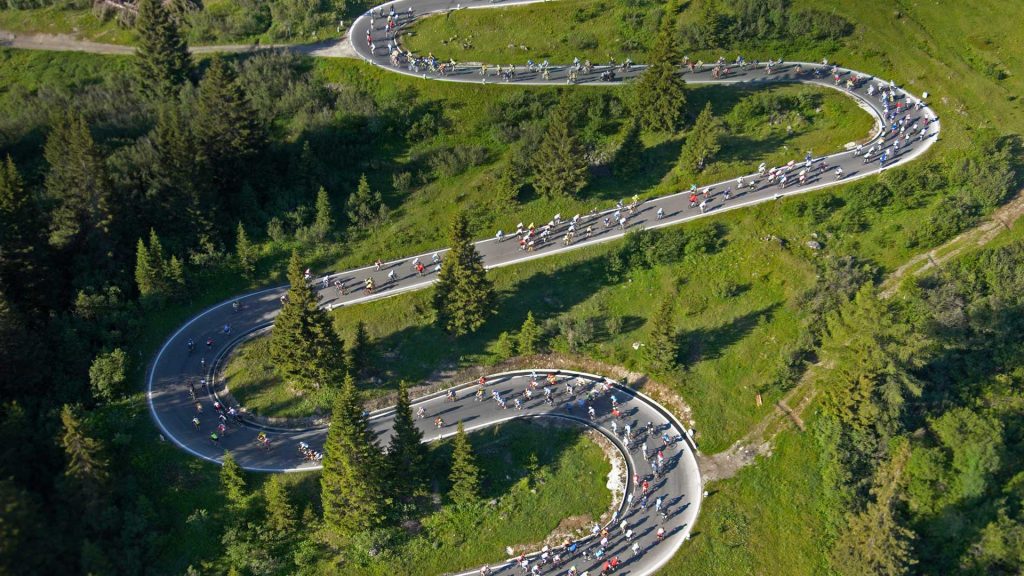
(710, 343)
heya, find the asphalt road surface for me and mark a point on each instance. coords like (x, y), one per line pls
(175, 367)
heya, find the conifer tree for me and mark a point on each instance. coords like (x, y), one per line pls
(529, 337)
(559, 164)
(149, 266)
(280, 512)
(465, 475)
(464, 296)
(22, 235)
(77, 182)
(245, 252)
(163, 60)
(86, 470)
(303, 344)
(406, 453)
(352, 462)
(703, 141)
(659, 94)
(711, 25)
(180, 197)
(360, 350)
(662, 350)
(324, 222)
(629, 155)
(366, 207)
(232, 484)
(226, 127)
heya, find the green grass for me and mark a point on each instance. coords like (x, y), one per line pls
(77, 22)
(569, 482)
(557, 31)
(256, 385)
(768, 519)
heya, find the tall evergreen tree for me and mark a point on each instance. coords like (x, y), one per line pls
(303, 344)
(464, 297)
(77, 182)
(465, 475)
(875, 540)
(559, 164)
(22, 236)
(162, 57)
(148, 269)
(629, 155)
(227, 129)
(324, 222)
(703, 141)
(179, 194)
(659, 94)
(352, 462)
(529, 337)
(711, 25)
(232, 484)
(86, 471)
(245, 252)
(280, 512)
(406, 453)
(662, 350)
(366, 207)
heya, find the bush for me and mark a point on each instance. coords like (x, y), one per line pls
(450, 162)
(948, 217)
(108, 374)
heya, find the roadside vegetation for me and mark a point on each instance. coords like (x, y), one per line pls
(145, 214)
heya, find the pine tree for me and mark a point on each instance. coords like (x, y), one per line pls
(303, 343)
(629, 156)
(662, 350)
(280, 512)
(181, 199)
(148, 271)
(324, 222)
(464, 296)
(559, 164)
(175, 277)
(465, 475)
(366, 207)
(232, 484)
(702, 143)
(86, 471)
(78, 184)
(406, 453)
(529, 336)
(360, 350)
(162, 57)
(245, 252)
(227, 128)
(22, 236)
(659, 94)
(711, 25)
(875, 540)
(351, 499)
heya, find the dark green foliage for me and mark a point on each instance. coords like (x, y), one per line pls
(108, 374)
(303, 344)
(86, 471)
(530, 336)
(360, 350)
(406, 455)
(718, 26)
(464, 296)
(559, 164)
(661, 351)
(77, 182)
(465, 475)
(659, 95)
(245, 252)
(366, 207)
(232, 485)
(703, 141)
(163, 59)
(157, 276)
(349, 492)
(23, 254)
(323, 225)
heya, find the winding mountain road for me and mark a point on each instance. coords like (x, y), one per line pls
(175, 367)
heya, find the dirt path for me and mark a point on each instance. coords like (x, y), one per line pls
(332, 48)
(788, 411)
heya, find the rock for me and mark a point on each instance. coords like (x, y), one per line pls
(814, 245)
